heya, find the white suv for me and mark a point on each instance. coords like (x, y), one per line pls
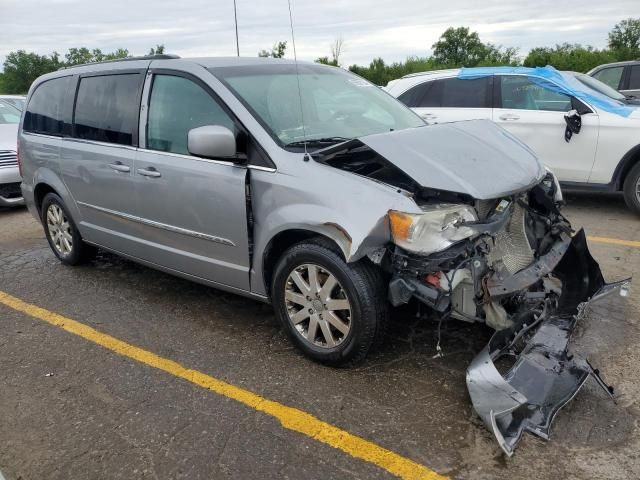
(585, 131)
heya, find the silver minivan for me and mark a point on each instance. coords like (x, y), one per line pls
(308, 187)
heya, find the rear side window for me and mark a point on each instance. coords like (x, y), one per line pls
(449, 93)
(176, 106)
(44, 113)
(412, 98)
(107, 108)
(458, 93)
(634, 78)
(610, 76)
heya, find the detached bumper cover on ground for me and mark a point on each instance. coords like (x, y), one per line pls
(545, 375)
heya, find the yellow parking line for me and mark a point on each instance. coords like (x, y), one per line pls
(290, 418)
(614, 241)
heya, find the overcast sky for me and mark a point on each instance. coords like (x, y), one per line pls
(391, 29)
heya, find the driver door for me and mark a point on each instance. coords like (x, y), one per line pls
(192, 210)
(535, 115)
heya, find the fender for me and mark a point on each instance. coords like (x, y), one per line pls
(44, 175)
(624, 165)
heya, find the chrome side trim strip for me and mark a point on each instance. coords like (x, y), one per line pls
(163, 226)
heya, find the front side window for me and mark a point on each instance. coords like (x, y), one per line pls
(176, 106)
(107, 108)
(610, 76)
(44, 113)
(314, 102)
(520, 92)
(634, 77)
(8, 114)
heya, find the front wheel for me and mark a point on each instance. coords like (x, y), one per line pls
(632, 189)
(62, 234)
(333, 311)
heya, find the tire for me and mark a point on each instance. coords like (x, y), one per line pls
(632, 189)
(359, 286)
(62, 234)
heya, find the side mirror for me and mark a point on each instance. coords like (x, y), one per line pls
(213, 141)
(574, 124)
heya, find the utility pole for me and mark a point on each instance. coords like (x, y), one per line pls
(235, 15)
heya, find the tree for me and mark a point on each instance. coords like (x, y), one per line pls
(336, 50)
(22, 68)
(567, 56)
(277, 51)
(325, 61)
(158, 50)
(624, 39)
(499, 55)
(80, 56)
(457, 47)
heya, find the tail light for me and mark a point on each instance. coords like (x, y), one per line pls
(18, 159)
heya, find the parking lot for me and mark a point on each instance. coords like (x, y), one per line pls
(75, 403)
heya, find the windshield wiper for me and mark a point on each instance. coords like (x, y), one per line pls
(318, 142)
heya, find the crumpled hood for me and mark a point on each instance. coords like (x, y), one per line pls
(474, 157)
(8, 136)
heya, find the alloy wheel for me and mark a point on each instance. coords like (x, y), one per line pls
(59, 230)
(317, 306)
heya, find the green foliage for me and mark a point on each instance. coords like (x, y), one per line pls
(568, 56)
(158, 50)
(79, 56)
(380, 73)
(22, 68)
(277, 51)
(458, 47)
(624, 39)
(326, 61)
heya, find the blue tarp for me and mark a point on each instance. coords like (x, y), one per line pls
(559, 82)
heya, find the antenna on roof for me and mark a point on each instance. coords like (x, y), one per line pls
(235, 16)
(295, 60)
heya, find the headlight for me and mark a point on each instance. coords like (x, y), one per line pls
(557, 193)
(436, 229)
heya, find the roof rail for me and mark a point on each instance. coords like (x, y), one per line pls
(159, 56)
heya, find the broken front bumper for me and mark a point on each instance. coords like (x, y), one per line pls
(544, 376)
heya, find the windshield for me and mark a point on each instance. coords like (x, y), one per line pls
(8, 113)
(599, 87)
(336, 105)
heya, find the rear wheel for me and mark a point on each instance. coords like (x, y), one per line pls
(632, 189)
(333, 311)
(62, 234)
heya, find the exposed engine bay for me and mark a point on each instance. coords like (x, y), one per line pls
(511, 261)
(529, 276)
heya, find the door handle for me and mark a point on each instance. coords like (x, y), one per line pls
(149, 172)
(119, 167)
(429, 116)
(509, 117)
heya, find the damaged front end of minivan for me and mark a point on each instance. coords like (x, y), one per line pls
(524, 272)
(497, 251)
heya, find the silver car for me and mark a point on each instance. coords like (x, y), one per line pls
(10, 195)
(308, 187)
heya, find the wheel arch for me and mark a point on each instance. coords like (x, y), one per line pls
(46, 180)
(285, 239)
(631, 158)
